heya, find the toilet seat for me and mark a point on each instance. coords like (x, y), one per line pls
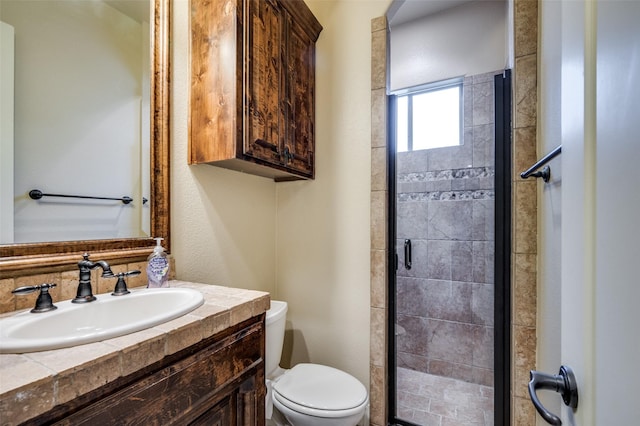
(326, 414)
(320, 391)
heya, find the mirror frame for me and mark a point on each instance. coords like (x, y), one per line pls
(28, 258)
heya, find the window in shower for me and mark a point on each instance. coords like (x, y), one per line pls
(430, 116)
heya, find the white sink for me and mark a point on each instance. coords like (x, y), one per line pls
(109, 316)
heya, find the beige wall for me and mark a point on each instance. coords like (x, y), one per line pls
(323, 225)
(305, 242)
(222, 222)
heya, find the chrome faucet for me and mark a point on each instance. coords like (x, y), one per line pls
(85, 293)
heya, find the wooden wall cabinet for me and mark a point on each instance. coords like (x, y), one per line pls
(219, 381)
(252, 103)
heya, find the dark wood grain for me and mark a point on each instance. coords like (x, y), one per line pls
(301, 99)
(218, 381)
(265, 80)
(254, 112)
(216, 80)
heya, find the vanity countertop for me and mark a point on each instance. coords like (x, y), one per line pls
(33, 383)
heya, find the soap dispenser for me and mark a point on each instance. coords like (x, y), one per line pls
(158, 267)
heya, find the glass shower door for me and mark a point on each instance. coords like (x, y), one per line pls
(443, 300)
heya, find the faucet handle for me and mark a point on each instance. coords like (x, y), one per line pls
(121, 285)
(44, 303)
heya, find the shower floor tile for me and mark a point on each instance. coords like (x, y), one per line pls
(430, 400)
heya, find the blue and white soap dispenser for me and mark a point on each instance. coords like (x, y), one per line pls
(158, 267)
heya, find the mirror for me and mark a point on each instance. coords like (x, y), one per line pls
(22, 257)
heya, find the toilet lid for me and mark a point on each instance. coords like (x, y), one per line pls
(321, 387)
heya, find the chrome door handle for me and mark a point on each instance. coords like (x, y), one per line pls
(564, 383)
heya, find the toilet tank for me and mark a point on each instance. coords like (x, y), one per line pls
(275, 320)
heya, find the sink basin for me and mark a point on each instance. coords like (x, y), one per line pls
(109, 316)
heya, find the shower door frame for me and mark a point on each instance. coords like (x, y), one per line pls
(502, 254)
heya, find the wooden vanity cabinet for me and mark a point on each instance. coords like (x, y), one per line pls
(219, 381)
(252, 105)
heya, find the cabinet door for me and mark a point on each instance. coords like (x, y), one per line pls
(299, 144)
(243, 407)
(250, 402)
(264, 82)
(219, 415)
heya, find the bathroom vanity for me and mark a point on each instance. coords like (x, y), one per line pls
(206, 367)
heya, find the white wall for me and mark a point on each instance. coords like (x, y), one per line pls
(550, 202)
(78, 84)
(465, 40)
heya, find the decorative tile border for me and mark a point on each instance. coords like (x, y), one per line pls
(447, 196)
(466, 173)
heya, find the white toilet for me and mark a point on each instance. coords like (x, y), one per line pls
(308, 394)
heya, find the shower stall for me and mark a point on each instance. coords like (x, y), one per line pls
(449, 228)
(449, 293)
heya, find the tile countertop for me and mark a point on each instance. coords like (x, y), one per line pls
(33, 383)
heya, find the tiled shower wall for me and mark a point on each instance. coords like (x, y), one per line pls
(445, 206)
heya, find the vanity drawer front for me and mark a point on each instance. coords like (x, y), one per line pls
(185, 390)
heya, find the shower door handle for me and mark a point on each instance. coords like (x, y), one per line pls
(407, 254)
(564, 383)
